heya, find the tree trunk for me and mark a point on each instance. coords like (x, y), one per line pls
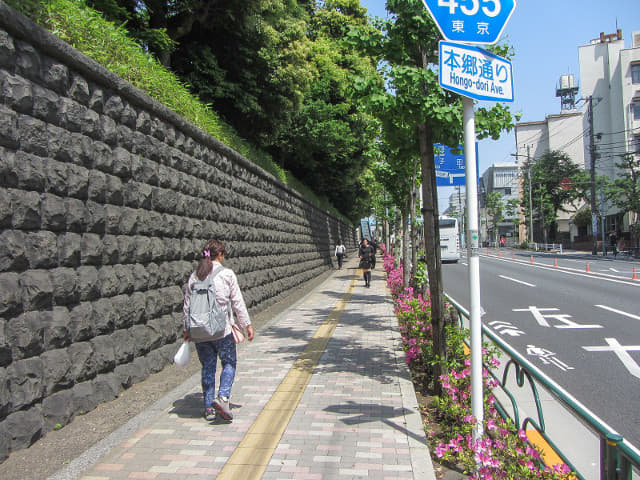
(406, 269)
(432, 244)
(412, 221)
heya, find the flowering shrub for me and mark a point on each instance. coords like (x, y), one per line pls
(502, 452)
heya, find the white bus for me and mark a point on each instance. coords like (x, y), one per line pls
(449, 239)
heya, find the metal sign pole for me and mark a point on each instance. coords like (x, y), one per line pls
(477, 397)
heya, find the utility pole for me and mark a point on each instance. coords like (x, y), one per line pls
(592, 155)
(530, 197)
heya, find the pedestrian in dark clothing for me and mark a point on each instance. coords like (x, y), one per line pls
(613, 242)
(374, 245)
(366, 253)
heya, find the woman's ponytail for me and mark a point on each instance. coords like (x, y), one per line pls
(211, 249)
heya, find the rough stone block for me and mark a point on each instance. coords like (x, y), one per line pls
(5, 394)
(68, 249)
(105, 316)
(7, 50)
(26, 210)
(33, 136)
(103, 353)
(56, 371)
(79, 90)
(83, 365)
(24, 428)
(37, 291)
(18, 93)
(56, 328)
(107, 387)
(57, 410)
(41, 249)
(10, 297)
(45, 104)
(91, 249)
(84, 397)
(82, 324)
(26, 382)
(88, 283)
(123, 347)
(55, 75)
(25, 335)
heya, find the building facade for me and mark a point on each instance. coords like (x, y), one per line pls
(502, 178)
(610, 84)
(562, 132)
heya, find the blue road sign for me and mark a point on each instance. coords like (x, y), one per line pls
(450, 166)
(471, 21)
(474, 72)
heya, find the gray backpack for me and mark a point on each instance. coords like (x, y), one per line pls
(207, 320)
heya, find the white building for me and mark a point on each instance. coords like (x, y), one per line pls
(563, 132)
(610, 79)
(502, 178)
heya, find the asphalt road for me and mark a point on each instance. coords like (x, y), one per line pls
(578, 323)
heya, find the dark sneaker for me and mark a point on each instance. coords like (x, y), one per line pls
(222, 407)
(209, 414)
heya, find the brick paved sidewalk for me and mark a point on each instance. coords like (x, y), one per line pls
(358, 416)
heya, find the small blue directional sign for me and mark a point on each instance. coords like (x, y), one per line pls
(450, 166)
(474, 72)
(471, 21)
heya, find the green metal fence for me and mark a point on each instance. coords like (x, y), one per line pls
(618, 460)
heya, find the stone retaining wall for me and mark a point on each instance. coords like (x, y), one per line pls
(106, 196)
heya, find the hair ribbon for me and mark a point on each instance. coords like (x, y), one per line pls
(207, 253)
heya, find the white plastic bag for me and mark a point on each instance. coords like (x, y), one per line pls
(181, 357)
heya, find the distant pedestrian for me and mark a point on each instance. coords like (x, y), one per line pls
(228, 295)
(613, 242)
(374, 244)
(366, 253)
(341, 250)
(502, 242)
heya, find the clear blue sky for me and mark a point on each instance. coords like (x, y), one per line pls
(545, 35)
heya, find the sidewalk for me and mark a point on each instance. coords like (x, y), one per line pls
(323, 392)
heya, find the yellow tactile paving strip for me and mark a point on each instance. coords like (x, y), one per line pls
(251, 458)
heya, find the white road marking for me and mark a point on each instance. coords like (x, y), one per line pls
(517, 281)
(620, 312)
(614, 346)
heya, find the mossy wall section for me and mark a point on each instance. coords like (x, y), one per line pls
(106, 198)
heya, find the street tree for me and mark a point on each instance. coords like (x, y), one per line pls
(624, 193)
(408, 59)
(495, 211)
(557, 185)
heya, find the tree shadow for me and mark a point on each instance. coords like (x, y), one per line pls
(371, 412)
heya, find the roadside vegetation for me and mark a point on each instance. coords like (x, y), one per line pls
(503, 452)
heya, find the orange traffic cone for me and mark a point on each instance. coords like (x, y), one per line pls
(513, 256)
(531, 258)
(588, 271)
(499, 255)
(635, 275)
(555, 262)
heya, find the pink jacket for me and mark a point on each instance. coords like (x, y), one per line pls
(227, 289)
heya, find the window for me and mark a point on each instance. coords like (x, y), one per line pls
(507, 191)
(636, 109)
(635, 73)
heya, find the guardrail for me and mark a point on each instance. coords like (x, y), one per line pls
(547, 247)
(618, 460)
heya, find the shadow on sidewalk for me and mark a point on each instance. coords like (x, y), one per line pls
(370, 412)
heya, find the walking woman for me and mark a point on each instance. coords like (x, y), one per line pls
(228, 295)
(340, 251)
(366, 254)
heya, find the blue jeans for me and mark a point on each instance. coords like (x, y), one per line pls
(208, 353)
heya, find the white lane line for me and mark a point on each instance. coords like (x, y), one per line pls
(620, 312)
(517, 281)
